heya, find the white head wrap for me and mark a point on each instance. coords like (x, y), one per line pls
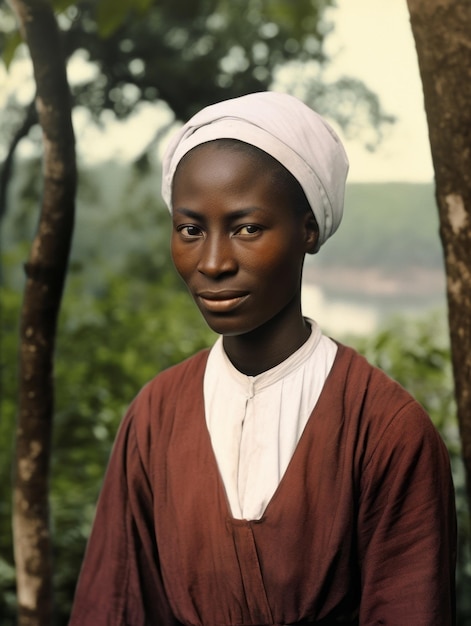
(285, 128)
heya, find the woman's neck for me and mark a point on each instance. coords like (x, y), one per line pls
(268, 346)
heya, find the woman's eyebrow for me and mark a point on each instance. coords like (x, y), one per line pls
(188, 213)
(247, 212)
(236, 214)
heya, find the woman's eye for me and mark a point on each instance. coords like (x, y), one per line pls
(190, 231)
(248, 229)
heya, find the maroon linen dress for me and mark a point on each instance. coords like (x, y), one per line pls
(360, 531)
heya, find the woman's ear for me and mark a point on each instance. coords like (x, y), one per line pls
(311, 232)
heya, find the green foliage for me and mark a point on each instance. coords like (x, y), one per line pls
(417, 355)
(11, 44)
(110, 15)
(9, 305)
(10, 37)
(191, 54)
(188, 54)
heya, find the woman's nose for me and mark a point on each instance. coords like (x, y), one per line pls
(217, 257)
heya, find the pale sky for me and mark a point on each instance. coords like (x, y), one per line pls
(375, 43)
(372, 41)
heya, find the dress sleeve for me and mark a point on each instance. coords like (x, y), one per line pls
(407, 526)
(120, 583)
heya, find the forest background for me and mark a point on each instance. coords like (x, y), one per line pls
(126, 316)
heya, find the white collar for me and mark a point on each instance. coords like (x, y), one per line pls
(250, 385)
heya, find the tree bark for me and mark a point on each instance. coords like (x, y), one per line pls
(442, 33)
(45, 275)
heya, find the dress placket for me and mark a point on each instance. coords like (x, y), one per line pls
(251, 572)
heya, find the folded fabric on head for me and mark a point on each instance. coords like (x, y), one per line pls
(287, 129)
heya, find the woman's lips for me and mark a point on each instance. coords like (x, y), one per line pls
(221, 301)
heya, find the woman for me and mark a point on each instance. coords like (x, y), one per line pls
(277, 478)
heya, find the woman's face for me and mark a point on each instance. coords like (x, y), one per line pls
(237, 241)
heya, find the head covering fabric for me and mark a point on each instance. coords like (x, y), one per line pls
(287, 129)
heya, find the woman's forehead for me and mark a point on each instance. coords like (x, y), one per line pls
(229, 146)
(217, 165)
(236, 165)
(224, 182)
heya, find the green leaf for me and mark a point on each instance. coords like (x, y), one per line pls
(12, 42)
(141, 6)
(110, 14)
(61, 5)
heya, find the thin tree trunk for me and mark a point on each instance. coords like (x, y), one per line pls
(45, 275)
(442, 33)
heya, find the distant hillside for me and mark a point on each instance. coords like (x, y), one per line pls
(387, 251)
(387, 225)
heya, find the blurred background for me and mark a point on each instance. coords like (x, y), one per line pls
(136, 71)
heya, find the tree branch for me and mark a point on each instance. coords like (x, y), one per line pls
(30, 119)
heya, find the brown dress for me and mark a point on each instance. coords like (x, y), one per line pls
(361, 530)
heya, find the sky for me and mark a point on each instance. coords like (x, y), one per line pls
(372, 41)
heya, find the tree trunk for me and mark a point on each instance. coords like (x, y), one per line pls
(45, 275)
(442, 33)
